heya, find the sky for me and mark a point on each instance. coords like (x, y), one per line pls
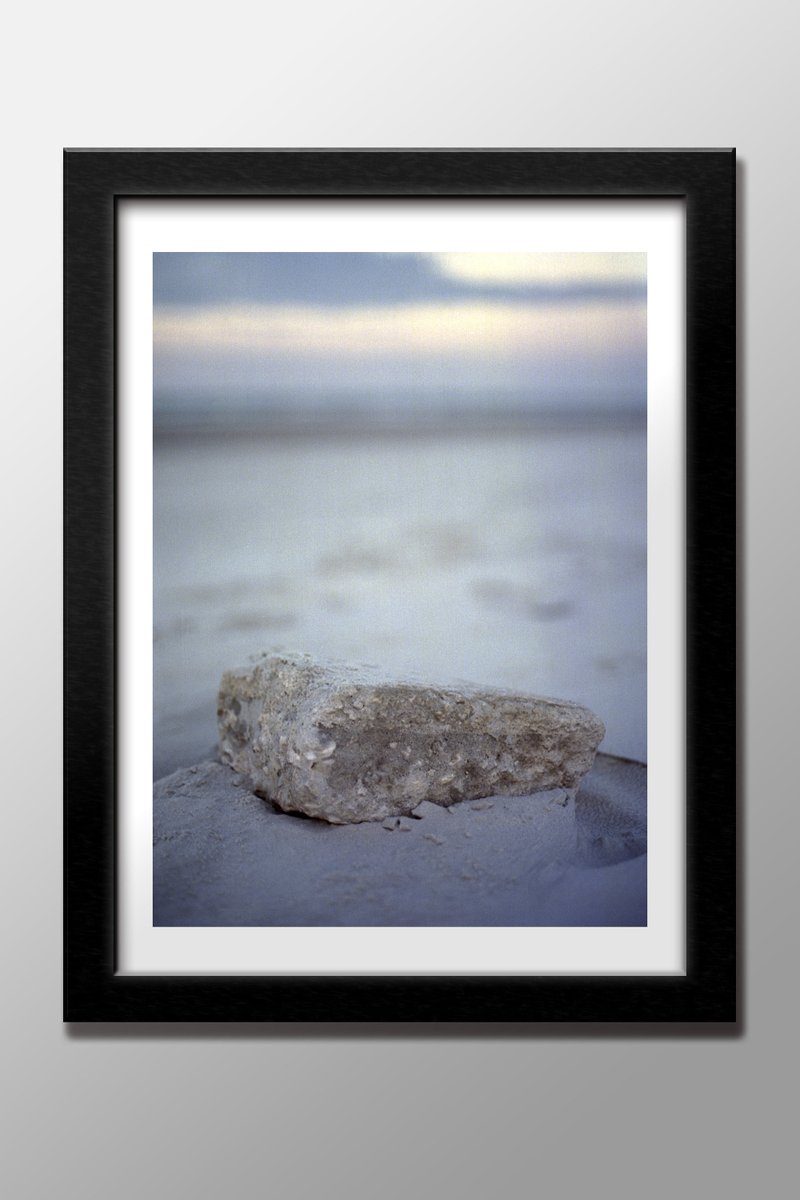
(539, 329)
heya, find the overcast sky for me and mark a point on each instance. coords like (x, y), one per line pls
(565, 328)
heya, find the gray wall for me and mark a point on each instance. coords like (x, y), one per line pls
(179, 1113)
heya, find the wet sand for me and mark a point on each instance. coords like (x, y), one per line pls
(507, 561)
(224, 857)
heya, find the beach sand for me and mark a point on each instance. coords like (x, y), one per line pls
(512, 562)
(224, 857)
(516, 562)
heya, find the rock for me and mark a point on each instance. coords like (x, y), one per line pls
(395, 823)
(426, 809)
(349, 744)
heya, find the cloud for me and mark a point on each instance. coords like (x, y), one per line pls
(342, 279)
(543, 269)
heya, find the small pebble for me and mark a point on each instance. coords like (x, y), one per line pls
(397, 823)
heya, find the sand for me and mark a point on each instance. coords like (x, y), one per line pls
(224, 857)
(510, 562)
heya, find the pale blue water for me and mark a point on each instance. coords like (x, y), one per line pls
(516, 561)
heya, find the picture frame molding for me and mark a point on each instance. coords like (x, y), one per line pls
(95, 182)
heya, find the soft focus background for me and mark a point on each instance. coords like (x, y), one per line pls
(436, 463)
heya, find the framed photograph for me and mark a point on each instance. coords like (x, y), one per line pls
(400, 587)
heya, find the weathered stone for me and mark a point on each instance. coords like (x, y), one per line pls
(348, 744)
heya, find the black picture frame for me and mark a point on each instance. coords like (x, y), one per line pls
(95, 180)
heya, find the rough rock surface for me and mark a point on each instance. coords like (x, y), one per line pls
(348, 744)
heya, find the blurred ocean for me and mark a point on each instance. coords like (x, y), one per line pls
(512, 555)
